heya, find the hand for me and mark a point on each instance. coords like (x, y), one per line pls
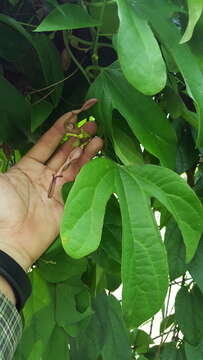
(29, 219)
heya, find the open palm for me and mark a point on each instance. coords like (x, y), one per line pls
(29, 219)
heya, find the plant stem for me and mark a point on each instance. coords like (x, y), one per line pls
(168, 300)
(95, 46)
(86, 42)
(151, 326)
(100, 3)
(54, 84)
(165, 333)
(44, 97)
(74, 58)
(26, 24)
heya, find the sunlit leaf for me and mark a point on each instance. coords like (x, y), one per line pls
(85, 209)
(139, 55)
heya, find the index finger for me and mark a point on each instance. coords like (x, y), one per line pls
(47, 144)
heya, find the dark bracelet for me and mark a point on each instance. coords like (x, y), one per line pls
(16, 277)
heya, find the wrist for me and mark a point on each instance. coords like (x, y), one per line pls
(19, 256)
(16, 277)
(7, 290)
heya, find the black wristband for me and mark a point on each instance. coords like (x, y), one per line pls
(16, 277)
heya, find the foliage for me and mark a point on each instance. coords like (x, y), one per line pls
(143, 60)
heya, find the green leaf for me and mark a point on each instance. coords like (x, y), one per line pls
(189, 302)
(142, 249)
(17, 115)
(110, 21)
(39, 113)
(169, 351)
(140, 57)
(38, 318)
(106, 334)
(13, 2)
(157, 136)
(66, 189)
(141, 342)
(85, 207)
(57, 345)
(183, 56)
(3, 160)
(194, 352)
(54, 248)
(187, 155)
(67, 17)
(38, 47)
(59, 267)
(126, 146)
(67, 315)
(179, 199)
(196, 266)
(112, 231)
(196, 43)
(166, 323)
(51, 65)
(175, 250)
(195, 8)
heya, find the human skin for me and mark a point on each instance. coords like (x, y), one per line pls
(29, 219)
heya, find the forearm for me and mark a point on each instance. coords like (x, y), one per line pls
(7, 290)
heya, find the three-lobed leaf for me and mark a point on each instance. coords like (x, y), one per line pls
(142, 247)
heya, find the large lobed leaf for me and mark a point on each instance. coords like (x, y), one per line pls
(143, 256)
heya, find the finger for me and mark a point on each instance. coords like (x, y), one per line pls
(48, 143)
(90, 151)
(60, 157)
